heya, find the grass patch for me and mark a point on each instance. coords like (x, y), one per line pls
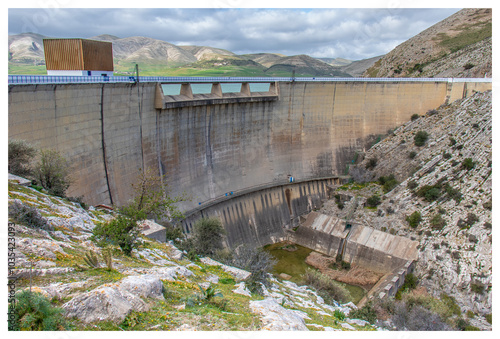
(469, 35)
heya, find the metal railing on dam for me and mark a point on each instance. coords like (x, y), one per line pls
(59, 79)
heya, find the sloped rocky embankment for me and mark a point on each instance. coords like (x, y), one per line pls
(448, 181)
(153, 289)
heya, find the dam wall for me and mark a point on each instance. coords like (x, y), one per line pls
(231, 143)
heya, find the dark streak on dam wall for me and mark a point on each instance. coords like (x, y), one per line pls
(312, 130)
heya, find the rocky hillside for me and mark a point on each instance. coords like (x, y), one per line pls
(459, 46)
(26, 48)
(157, 288)
(440, 194)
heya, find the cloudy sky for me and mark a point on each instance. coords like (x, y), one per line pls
(352, 33)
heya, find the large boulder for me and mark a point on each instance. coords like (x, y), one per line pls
(115, 301)
(104, 303)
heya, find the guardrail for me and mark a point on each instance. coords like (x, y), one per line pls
(62, 79)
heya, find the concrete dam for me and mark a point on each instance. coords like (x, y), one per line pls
(257, 160)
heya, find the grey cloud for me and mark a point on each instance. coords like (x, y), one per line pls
(348, 33)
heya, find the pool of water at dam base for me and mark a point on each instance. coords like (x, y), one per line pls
(293, 263)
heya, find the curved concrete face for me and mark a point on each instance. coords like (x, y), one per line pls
(310, 130)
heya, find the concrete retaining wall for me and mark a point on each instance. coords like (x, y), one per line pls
(359, 245)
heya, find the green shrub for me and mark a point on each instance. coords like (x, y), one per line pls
(437, 222)
(420, 138)
(121, 231)
(27, 215)
(367, 312)
(468, 164)
(20, 154)
(414, 219)
(471, 219)
(410, 283)
(33, 312)
(412, 184)
(412, 154)
(477, 288)
(447, 155)
(453, 193)
(339, 315)
(453, 142)
(373, 201)
(388, 182)
(489, 318)
(326, 287)
(415, 117)
(430, 193)
(52, 172)
(468, 66)
(208, 235)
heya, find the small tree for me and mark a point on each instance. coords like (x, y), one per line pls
(208, 235)
(373, 201)
(20, 155)
(414, 219)
(121, 231)
(152, 199)
(420, 138)
(52, 172)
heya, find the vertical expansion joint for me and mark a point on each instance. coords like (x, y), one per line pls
(103, 146)
(139, 106)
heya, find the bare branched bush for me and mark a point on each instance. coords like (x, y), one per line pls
(327, 288)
